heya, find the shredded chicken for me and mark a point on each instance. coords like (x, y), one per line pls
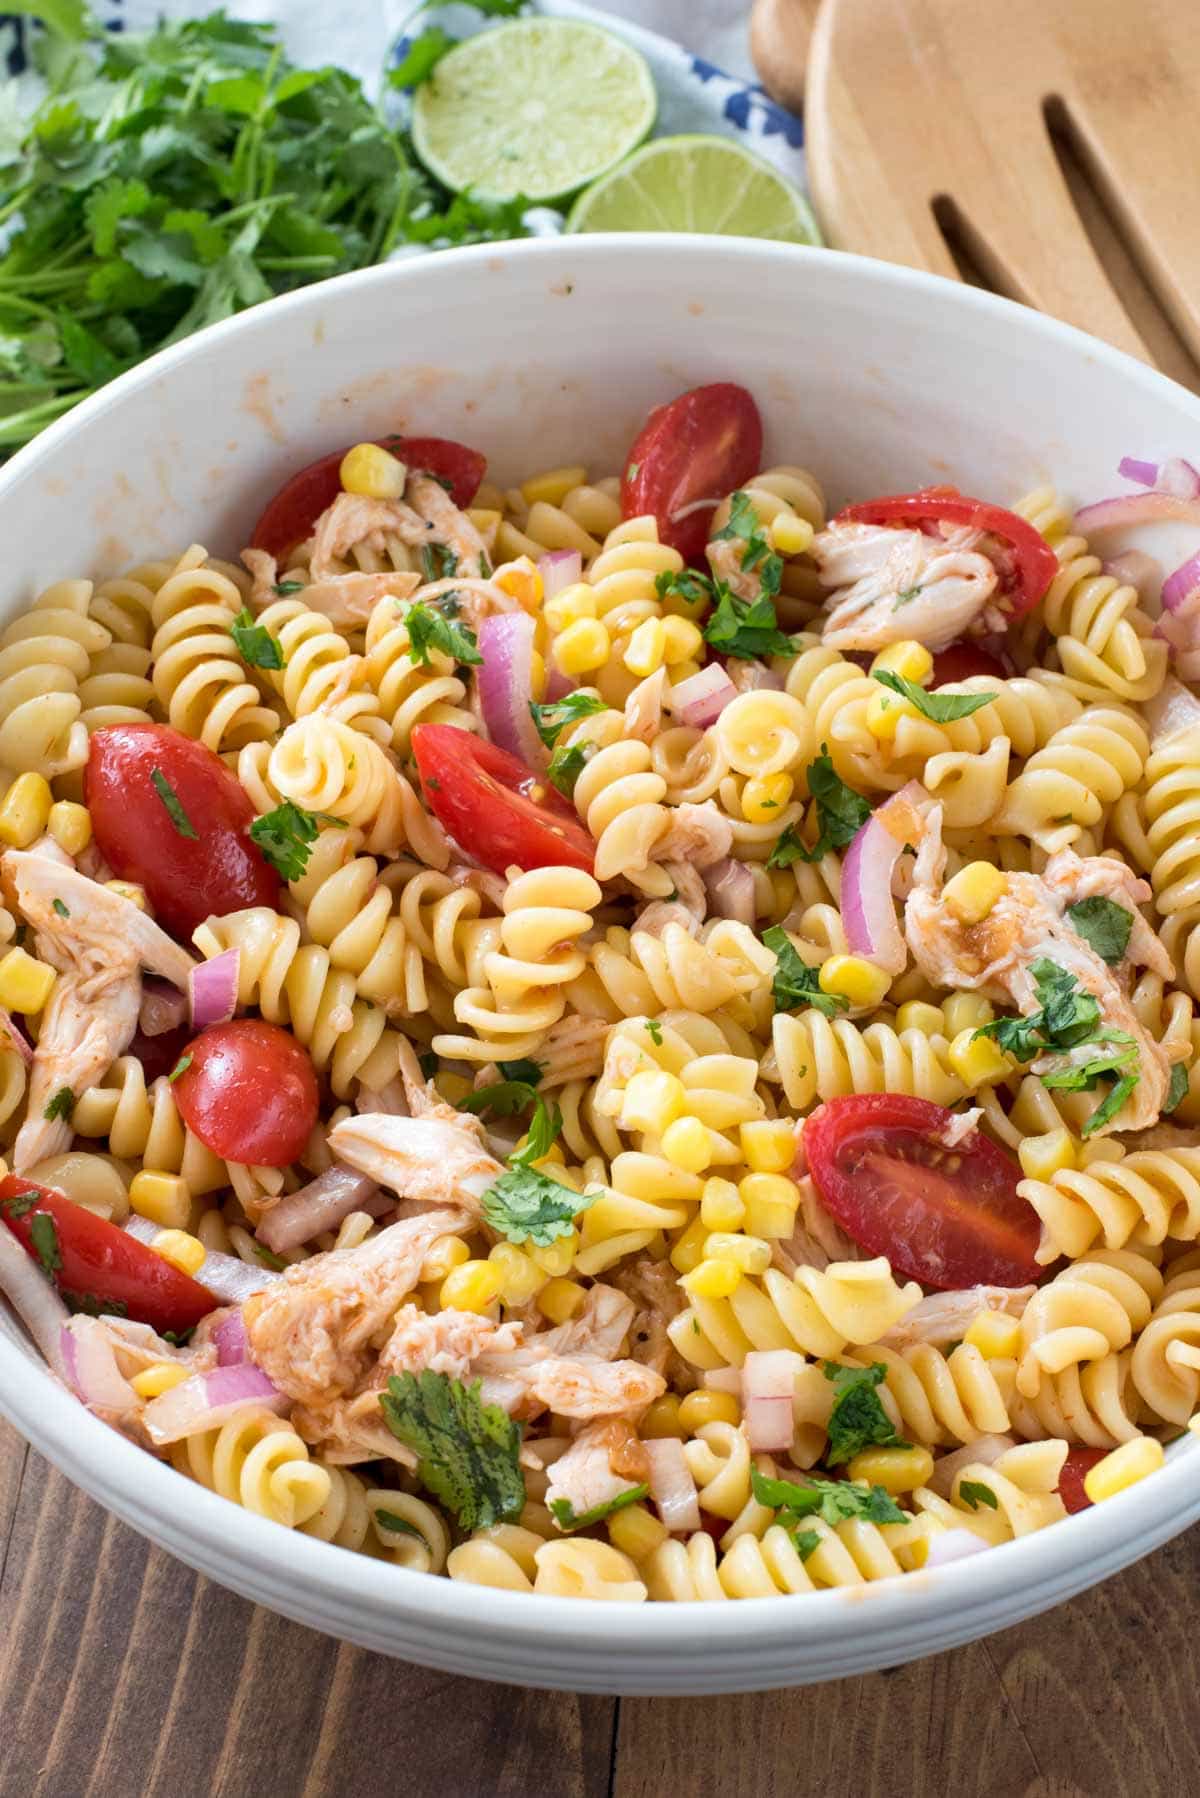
(604, 1460)
(725, 559)
(946, 1316)
(572, 1369)
(427, 1158)
(655, 1291)
(447, 1342)
(891, 585)
(699, 834)
(572, 1049)
(347, 600)
(749, 676)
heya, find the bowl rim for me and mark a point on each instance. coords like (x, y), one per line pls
(154, 1499)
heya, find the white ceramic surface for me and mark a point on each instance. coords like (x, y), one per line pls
(540, 353)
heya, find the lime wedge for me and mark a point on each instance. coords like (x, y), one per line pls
(696, 183)
(537, 107)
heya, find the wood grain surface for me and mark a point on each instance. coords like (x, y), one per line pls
(124, 1675)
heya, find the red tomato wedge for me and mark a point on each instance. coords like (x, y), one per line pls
(947, 1217)
(133, 770)
(1025, 561)
(288, 517)
(1076, 1467)
(496, 807)
(963, 661)
(699, 447)
(249, 1092)
(96, 1266)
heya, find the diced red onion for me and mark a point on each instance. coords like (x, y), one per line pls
(954, 1545)
(208, 1400)
(213, 989)
(506, 685)
(321, 1205)
(723, 1379)
(227, 1277)
(1137, 508)
(671, 1484)
(1136, 569)
(1178, 477)
(768, 1384)
(699, 700)
(229, 1340)
(559, 568)
(34, 1300)
(756, 677)
(91, 1367)
(730, 887)
(163, 1007)
(868, 909)
(1144, 473)
(947, 1468)
(558, 684)
(1180, 585)
(16, 1037)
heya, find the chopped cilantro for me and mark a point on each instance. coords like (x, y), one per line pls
(758, 554)
(22, 1202)
(795, 983)
(567, 764)
(255, 644)
(654, 1031)
(44, 1236)
(834, 1501)
(178, 1338)
(1104, 925)
(974, 1493)
(567, 1518)
(91, 1306)
(529, 1071)
(688, 586)
(284, 588)
(942, 708)
(428, 1064)
(399, 1526)
(61, 909)
(502, 1098)
(428, 627)
(466, 1450)
(170, 799)
(552, 720)
(61, 1105)
(544, 1128)
(746, 628)
(806, 1542)
(269, 1258)
(858, 1419)
(287, 834)
(1068, 1022)
(1178, 1087)
(904, 596)
(181, 1067)
(438, 561)
(525, 1205)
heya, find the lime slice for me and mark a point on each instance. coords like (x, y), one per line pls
(537, 107)
(696, 183)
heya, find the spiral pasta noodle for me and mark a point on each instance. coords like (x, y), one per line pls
(258, 1461)
(199, 681)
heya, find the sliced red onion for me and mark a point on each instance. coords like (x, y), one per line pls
(1179, 478)
(506, 685)
(16, 1037)
(558, 684)
(213, 989)
(768, 1384)
(321, 1205)
(1180, 585)
(730, 887)
(559, 568)
(1137, 508)
(699, 700)
(92, 1367)
(163, 1007)
(1136, 569)
(1144, 473)
(208, 1400)
(229, 1340)
(227, 1277)
(868, 909)
(671, 1484)
(954, 1545)
(34, 1300)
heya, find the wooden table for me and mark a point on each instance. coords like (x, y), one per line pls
(124, 1675)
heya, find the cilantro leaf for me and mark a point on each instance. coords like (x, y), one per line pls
(788, 849)
(287, 834)
(1104, 925)
(795, 983)
(544, 1128)
(61, 1105)
(687, 585)
(427, 627)
(1178, 1088)
(43, 1233)
(858, 1419)
(399, 1526)
(284, 588)
(421, 58)
(841, 812)
(438, 561)
(255, 644)
(834, 1501)
(654, 1031)
(528, 1206)
(567, 764)
(21, 1202)
(553, 719)
(942, 708)
(1068, 1024)
(269, 1258)
(466, 1450)
(175, 812)
(758, 554)
(62, 910)
(503, 1098)
(529, 1071)
(181, 1067)
(567, 1518)
(745, 628)
(974, 1493)
(806, 1542)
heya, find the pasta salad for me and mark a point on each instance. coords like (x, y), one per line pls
(620, 1037)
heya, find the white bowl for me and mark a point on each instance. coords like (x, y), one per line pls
(543, 353)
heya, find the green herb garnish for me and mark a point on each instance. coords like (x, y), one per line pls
(567, 1518)
(544, 1129)
(438, 561)
(466, 1450)
(503, 1098)
(858, 1419)
(287, 834)
(1178, 1087)
(430, 628)
(254, 642)
(1069, 1020)
(526, 1205)
(834, 1501)
(399, 1526)
(1104, 925)
(170, 799)
(567, 764)
(758, 554)
(973, 1494)
(61, 1105)
(795, 983)
(747, 629)
(43, 1233)
(61, 909)
(552, 719)
(654, 1031)
(181, 1067)
(942, 708)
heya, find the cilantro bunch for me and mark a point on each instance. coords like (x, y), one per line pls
(1070, 1026)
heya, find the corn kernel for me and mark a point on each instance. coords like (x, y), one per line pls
(646, 649)
(682, 671)
(25, 811)
(558, 1257)
(374, 472)
(974, 890)
(854, 978)
(523, 1278)
(686, 1144)
(636, 1531)
(771, 1202)
(651, 1101)
(522, 581)
(995, 1335)
(553, 486)
(966, 1011)
(582, 647)
(452, 1087)
(472, 1287)
(682, 640)
(25, 984)
(443, 1253)
(687, 1250)
(768, 1145)
(559, 1300)
(537, 675)
(160, 1378)
(128, 889)
(764, 795)
(915, 1014)
(750, 1253)
(909, 659)
(790, 534)
(895, 1469)
(1124, 1467)
(70, 825)
(721, 1205)
(711, 1279)
(977, 1060)
(1042, 1157)
(163, 1198)
(661, 1418)
(568, 607)
(884, 712)
(699, 1408)
(181, 1249)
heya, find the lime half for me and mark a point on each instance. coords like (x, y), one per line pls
(537, 107)
(696, 183)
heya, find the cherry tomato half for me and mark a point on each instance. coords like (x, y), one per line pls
(288, 517)
(249, 1092)
(143, 837)
(699, 447)
(947, 1217)
(1025, 561)
(494, 806)
(964, 661)
(1076, 1467)
(96, 1266)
